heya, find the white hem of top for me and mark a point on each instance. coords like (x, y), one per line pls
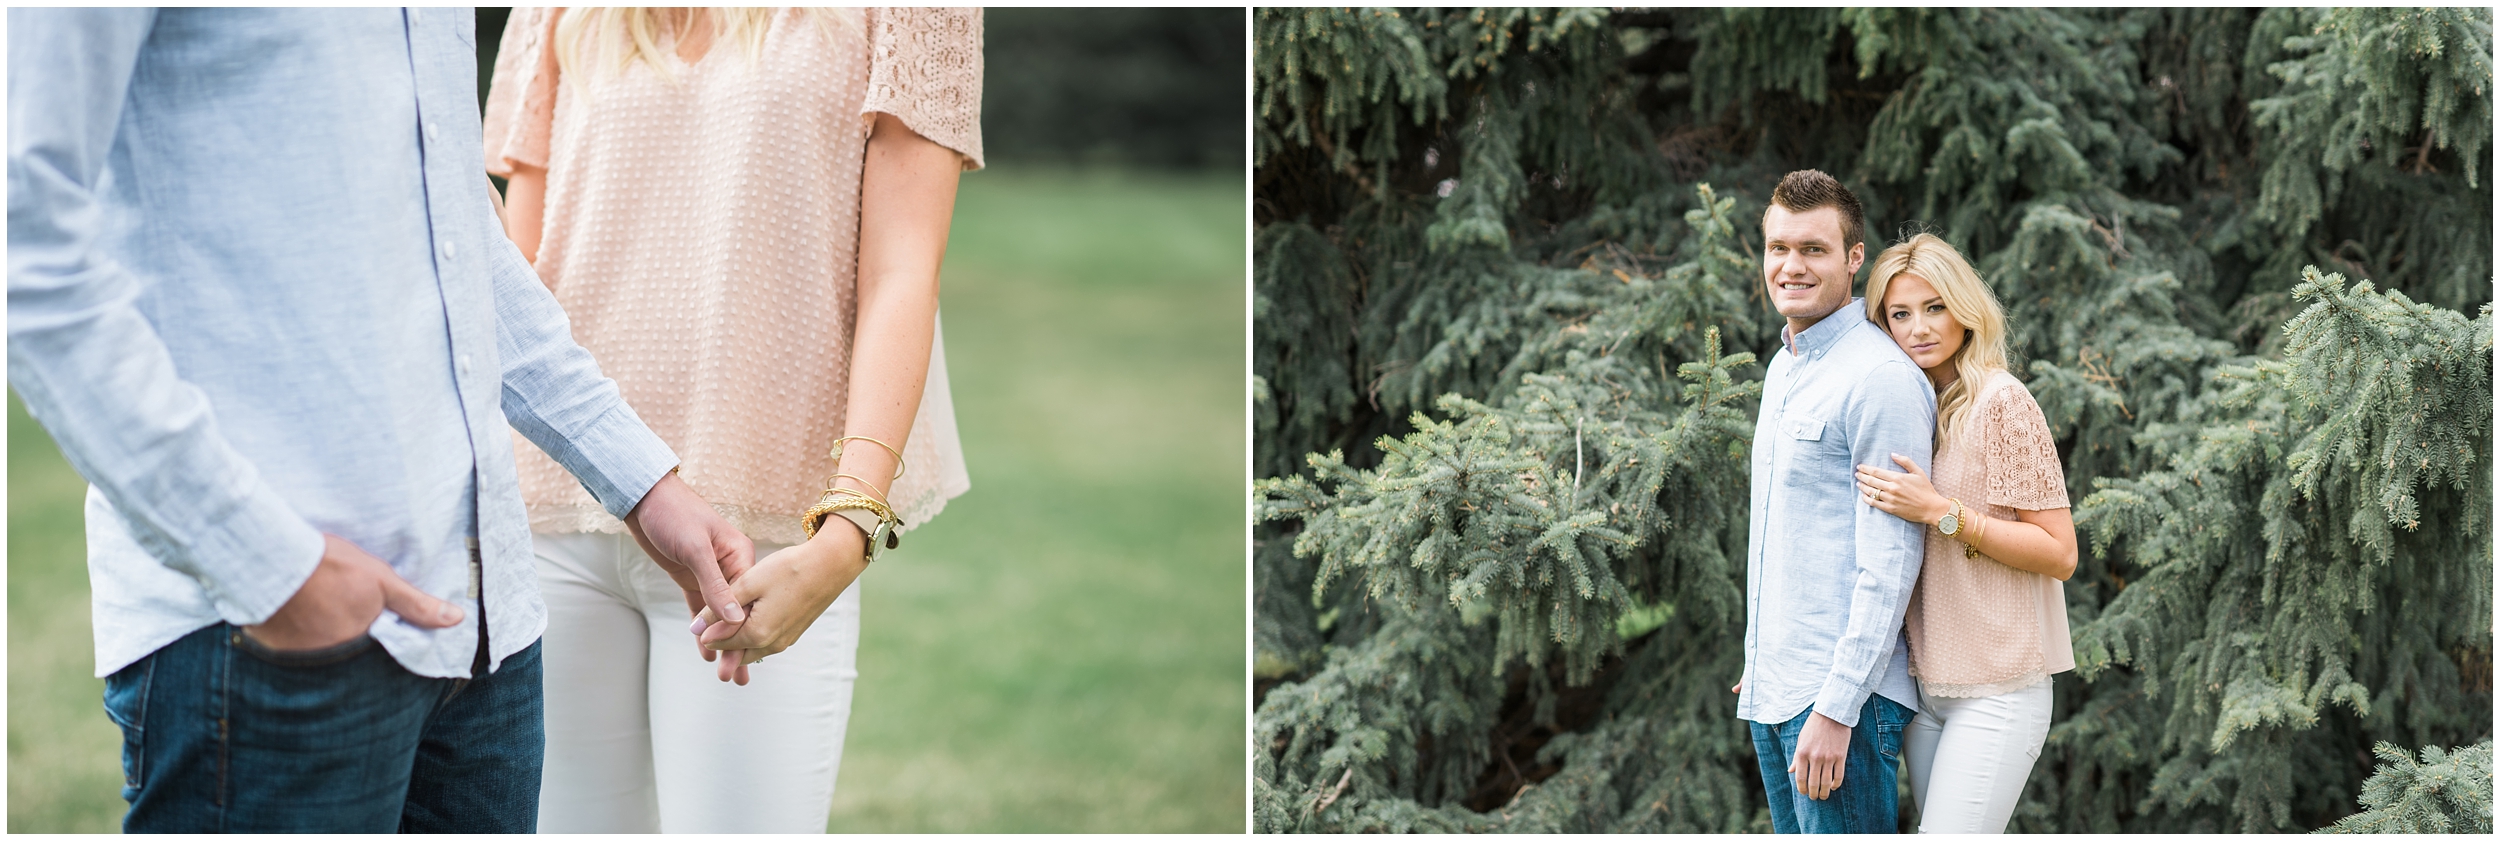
(1982, 690)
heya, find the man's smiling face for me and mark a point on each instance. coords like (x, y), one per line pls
(1804, 266)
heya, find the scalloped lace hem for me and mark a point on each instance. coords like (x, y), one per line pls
(1982, 690)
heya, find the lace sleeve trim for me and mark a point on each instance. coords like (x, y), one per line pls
(2023, 469)
(521, 99)
(924, 66)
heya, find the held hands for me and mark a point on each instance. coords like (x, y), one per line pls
(689, 541)
(346, 593)
(1908, 496)
(785, 593)
(1822, 754)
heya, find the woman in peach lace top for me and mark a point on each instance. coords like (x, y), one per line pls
(742, 211)
(1987, 622)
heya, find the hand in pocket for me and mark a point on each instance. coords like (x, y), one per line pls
(347, 591)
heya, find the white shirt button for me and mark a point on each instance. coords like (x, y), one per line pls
(464, 365)
(431, 134)
(450, 251)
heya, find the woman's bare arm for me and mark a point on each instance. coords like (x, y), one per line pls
(2040, 541)
(525, 208)
(2035, 541)
(907, 202)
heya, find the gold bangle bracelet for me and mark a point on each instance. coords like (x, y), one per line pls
(1970, 547)
(898, 454)
(871, 487)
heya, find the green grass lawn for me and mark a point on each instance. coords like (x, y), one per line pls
(64, 755)
(1060, 651)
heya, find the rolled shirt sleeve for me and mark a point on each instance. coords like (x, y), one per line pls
(1891, 416)
(89, 366)
(555, 395)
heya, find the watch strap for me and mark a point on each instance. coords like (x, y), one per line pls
(861, 517)
(871, 528)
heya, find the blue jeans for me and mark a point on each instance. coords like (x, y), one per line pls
(222, 734)
(1868, 799)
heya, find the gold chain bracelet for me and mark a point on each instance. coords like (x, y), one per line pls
(888, 528)
(842, 499)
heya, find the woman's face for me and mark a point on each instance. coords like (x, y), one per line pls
(1919, 322)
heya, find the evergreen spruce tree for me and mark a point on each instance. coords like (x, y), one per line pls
(1507, 324)
(2445, 792)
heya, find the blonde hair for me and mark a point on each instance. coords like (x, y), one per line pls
(1966, 298)
(633, 33)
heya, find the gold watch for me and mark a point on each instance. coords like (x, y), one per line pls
(1951, 524)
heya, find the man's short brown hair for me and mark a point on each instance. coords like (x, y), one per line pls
(1807, 189)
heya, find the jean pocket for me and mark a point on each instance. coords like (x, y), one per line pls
(126, 703)
(1891, 719)
(305, 659)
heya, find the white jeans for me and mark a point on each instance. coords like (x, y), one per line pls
(1969, 757)
(642, 736)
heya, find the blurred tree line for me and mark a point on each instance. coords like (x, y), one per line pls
(1141, 87)
(1507, 308)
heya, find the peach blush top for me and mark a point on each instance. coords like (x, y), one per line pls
(1977, 627)
(702, 233)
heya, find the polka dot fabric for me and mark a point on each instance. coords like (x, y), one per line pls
(1977, 627)
(702, 231)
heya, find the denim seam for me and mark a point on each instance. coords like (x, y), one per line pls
(225, 696)
(147, 685)
(147, 689)
(452, 691)
(135, 776)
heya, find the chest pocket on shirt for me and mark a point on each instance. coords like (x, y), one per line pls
(1813, 452)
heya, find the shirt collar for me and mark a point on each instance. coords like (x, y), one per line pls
(1820, 337)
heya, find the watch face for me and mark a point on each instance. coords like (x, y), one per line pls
(1949, 525)
(876, 537)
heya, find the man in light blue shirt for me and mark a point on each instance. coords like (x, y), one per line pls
(259, 295)
(1827, 687)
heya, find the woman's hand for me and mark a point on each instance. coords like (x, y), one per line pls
(783, 595)
(1905, 495)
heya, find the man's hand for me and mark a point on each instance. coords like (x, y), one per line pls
(346, 592)
(788, 591)
(1822, 752)
(692, 543)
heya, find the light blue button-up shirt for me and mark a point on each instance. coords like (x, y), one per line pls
(258, 293)
(1828, 577)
